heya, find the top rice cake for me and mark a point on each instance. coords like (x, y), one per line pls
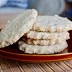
(52, 24)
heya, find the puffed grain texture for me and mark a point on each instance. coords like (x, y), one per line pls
(43, 42)
(35, 49)
(17, 27)
(52, 24)
(47, 35)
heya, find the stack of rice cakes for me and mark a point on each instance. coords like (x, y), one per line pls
(47, 36)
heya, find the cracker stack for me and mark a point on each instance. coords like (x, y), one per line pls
(47, 36)
(39, 34)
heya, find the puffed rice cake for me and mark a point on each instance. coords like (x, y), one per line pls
(36, 49)
(17, 27)
(43, 42)
(52, 24)
(47, 35)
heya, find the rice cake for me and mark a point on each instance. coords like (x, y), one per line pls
(52, 24)
(17, 27)
(43, 42)
(47, 35)
(35, 49)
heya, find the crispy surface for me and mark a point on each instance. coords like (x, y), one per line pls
(42, 49)
(52, 24)
(17, 27)
(43, 42)
(47, 35)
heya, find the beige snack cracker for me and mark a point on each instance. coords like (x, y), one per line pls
(43, 42)
(47, 35)
(52, 24)
(32, 49)
(17, 27)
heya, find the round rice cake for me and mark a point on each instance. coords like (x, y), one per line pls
(52, 24)
(47, 35)
(35, 49)
(17, 27)
(43, 42)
